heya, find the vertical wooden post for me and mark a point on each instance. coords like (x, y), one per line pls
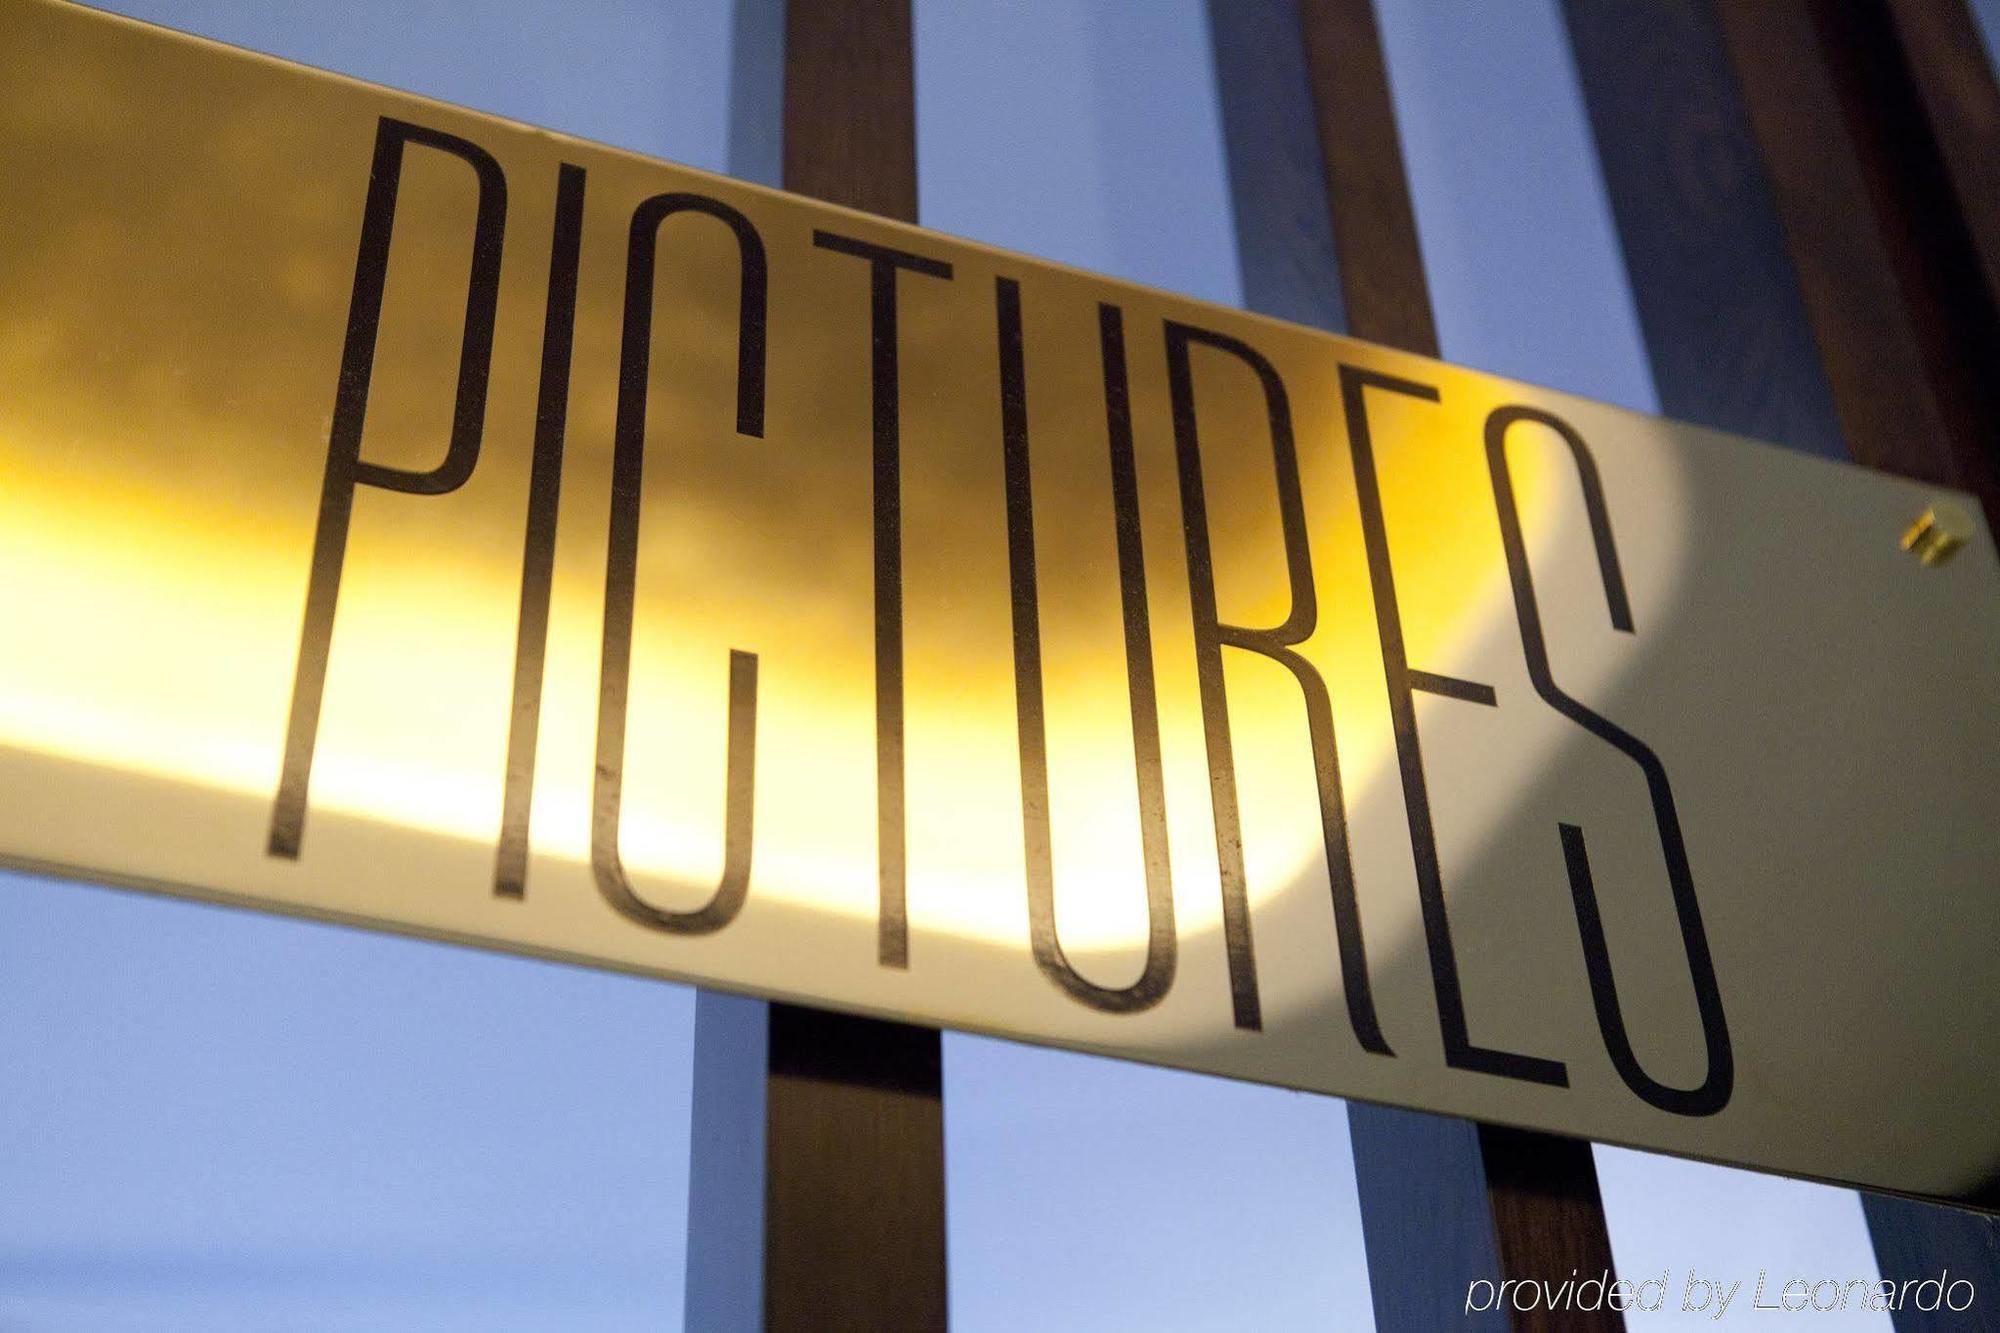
(851, 105)
(854, 1200)
(816, 1193)
(1443, 1201)
(1951, 79)
(1875, 128)
(854, 1194)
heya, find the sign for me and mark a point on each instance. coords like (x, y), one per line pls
(421, 521)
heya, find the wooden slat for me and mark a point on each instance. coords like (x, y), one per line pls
(1960, 97)
(854, 1203)
(1368, 195)
(1920, 1240)
(851, 105)
(1912, 103)
(1889, 415)
(1890, 284)
(854, 1189)
(1421, 1177)
(1548, 1215)
(1425, 1217)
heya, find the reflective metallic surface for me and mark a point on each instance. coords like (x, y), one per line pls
(419, 520)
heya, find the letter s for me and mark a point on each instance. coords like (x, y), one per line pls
(1712, 1094)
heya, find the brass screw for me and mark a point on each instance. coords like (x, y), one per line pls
(1936, 536)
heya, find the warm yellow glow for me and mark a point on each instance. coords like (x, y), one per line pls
(181, 228)
(162, 478)
(165, 638)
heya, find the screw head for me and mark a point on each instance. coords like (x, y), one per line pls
(1938, 533)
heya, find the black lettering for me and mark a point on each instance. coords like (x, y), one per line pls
(1460, 1052)
(622, 562)
(1712, 1094)
(1157, 976)
(345, 469)
(893, 930)
(531, 634)
(1276, 643)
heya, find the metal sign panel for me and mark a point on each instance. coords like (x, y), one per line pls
(417, 520)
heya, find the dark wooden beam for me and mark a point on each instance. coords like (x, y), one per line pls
(1953, 80)
(757, 91)
(851, 105)
(1921, 1240)
(1421, 1177)
(854, 1154)
(1368, 194)
(1548, 1215)
(1889, 415)
(1887, 269)
(854, 1201)
(1918, 114)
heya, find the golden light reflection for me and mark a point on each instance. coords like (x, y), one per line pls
(164, 469)
(174, 297)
